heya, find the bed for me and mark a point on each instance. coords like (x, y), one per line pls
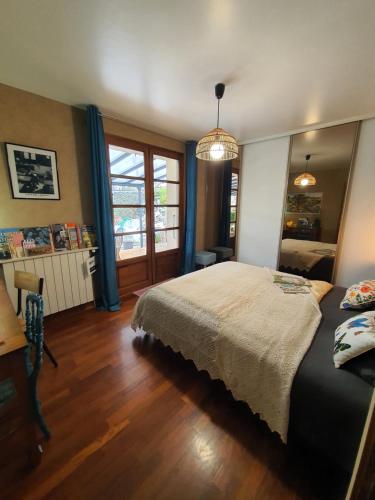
(328, 405)
(311, 259)
(272, 350)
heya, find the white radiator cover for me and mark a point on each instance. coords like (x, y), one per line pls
(66, 281)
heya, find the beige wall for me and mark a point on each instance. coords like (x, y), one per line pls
(356, 259)
(209, 198)
(121, 129)
(209, 192)
(32, 120)
(332, 183)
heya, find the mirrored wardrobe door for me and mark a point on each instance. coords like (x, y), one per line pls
(319, 170)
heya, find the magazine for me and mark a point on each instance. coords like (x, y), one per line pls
(24, 242)
(59, 237)
(291, 284)
(291, 280)
(5, 252)
(88, 236)
(15, 242)
(79, 236)
(72, 235)
(14, 237)
(37, 240)
(289, 288)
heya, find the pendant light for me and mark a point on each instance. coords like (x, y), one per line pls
(217, 145)
(305, 179)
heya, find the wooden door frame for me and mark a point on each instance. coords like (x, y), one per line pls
(137, 146)
(148, 151)
(233, 241)
(155, 150)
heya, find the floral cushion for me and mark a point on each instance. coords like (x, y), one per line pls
(359, 296)
(354, 337)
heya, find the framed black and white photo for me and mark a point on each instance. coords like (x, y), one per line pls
(33, 172)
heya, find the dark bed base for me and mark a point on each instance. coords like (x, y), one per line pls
(322, 271)
(329, 406)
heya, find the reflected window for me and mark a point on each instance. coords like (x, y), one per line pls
(233, 206)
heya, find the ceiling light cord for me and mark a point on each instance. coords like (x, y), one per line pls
(218, 113)
(307, 158)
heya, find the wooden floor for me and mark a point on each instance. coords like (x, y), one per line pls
(131, 419)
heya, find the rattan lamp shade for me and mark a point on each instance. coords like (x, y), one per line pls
(217, 145)
(305, 180)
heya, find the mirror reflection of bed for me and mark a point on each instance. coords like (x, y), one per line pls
(319, 168)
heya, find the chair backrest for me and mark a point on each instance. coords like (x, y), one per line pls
(34, 352)
(26, 281)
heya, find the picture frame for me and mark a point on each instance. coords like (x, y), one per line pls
(304, 203)
(32, 172)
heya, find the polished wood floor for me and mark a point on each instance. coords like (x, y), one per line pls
(132, 420)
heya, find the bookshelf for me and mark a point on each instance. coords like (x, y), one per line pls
(64, 252)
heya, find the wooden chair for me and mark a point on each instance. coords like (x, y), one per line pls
(34, 353)
(32, 283)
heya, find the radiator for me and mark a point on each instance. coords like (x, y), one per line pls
(66, 280)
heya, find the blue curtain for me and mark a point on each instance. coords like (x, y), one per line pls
(107, 293)
(225, 206)
(188, 260)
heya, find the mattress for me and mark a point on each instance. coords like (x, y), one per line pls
(234, 322)
(304, 254)
(328, 405)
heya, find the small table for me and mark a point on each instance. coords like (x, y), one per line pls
(18, 441)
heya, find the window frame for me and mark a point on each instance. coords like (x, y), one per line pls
(237, 190)
(148, 152)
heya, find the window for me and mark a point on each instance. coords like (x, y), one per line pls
(146, 191)
(128, 189)
(166, 203)
(234, 204)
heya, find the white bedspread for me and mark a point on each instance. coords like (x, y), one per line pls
(304, 254)
(232, 321)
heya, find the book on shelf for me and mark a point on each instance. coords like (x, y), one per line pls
(14, 238)
(37, 241)
(88, 236)
(5, 252)
(60, 237)
(79, 236)
(30, 241)
(71, 231)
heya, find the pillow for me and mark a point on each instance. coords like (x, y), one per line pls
(354, 337)
(320, 288)
(359, 296)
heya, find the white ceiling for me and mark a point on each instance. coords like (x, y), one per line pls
(154, 63)
(330, 148)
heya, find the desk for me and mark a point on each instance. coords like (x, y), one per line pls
(18, 441)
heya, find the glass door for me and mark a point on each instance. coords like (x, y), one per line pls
(234, 208)
(146, 191)
(167, 213)
(129, 186)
